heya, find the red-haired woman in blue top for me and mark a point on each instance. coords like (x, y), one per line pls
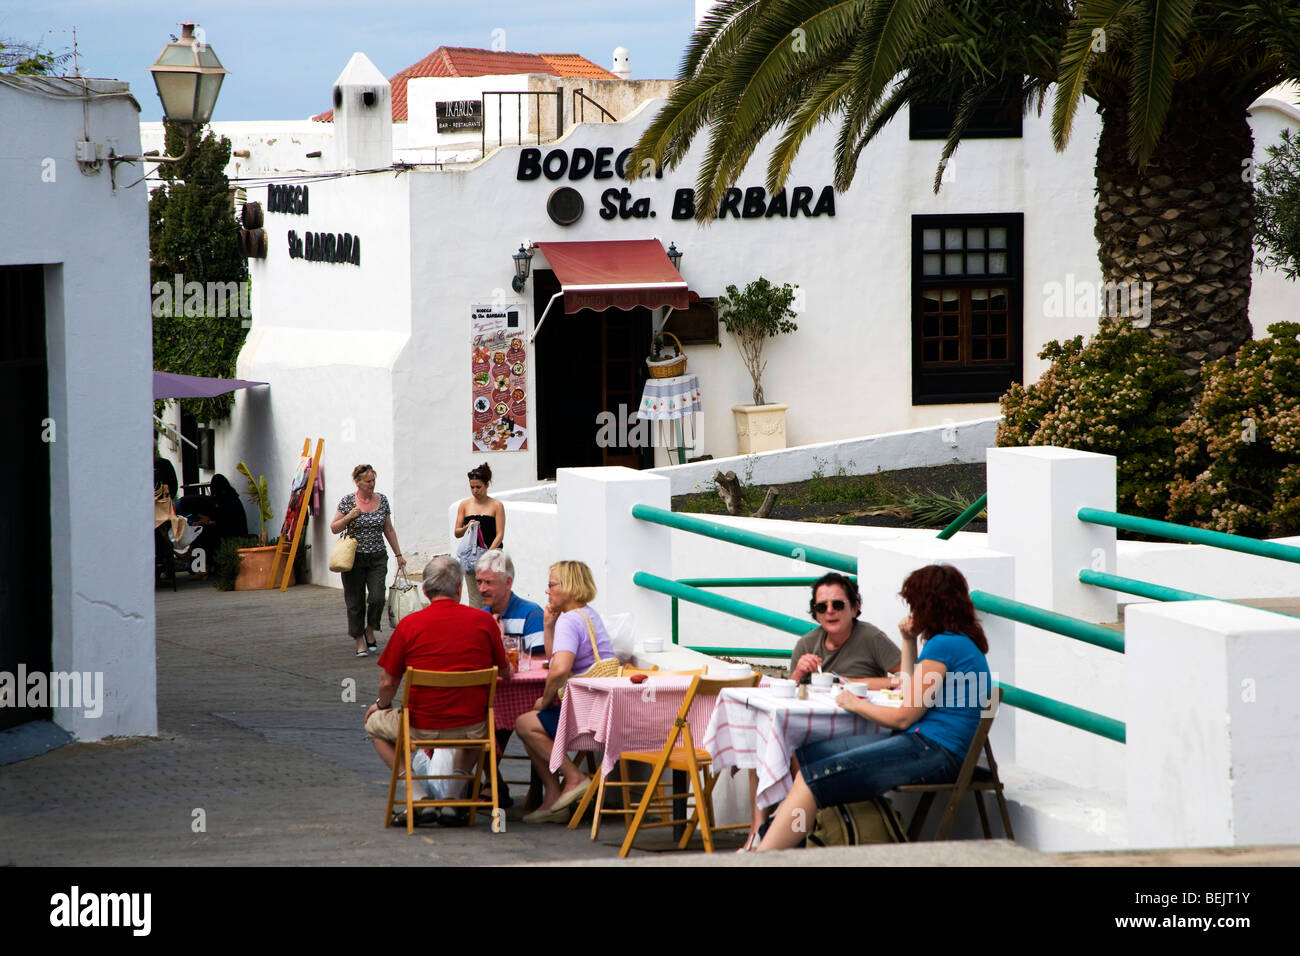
(945, 689)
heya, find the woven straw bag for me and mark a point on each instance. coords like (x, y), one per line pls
(609, 667)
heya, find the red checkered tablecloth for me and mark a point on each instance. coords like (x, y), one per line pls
(517, 695)
(614, 713)
(752, 729)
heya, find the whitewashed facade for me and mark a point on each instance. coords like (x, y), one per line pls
(375, 357)
(86, 230)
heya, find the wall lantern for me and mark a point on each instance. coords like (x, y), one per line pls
(188, 76)
(523, 265)
(675, 256)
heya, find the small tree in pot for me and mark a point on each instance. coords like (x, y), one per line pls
(760, 312)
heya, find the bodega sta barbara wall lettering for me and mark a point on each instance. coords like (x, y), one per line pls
(620, 202)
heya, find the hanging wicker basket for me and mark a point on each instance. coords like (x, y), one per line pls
(668, 368)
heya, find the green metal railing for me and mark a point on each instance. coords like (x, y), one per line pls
(748, 539)
(965, 518)
(1157, 592)
(1076, 717)
(727, 605)
(688, 589)
(1048, 620)
(1188, 535)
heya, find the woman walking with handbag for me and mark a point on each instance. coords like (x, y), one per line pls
(578, 645)
(368, 519)
(491, 517)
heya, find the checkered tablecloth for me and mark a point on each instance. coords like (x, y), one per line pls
(614, 713)
(754, 730)
(517, 695)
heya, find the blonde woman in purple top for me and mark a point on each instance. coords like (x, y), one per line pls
(569, 626)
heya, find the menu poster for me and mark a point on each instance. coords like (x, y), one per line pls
(498, 378)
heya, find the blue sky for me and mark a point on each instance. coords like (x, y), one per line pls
(284, 55)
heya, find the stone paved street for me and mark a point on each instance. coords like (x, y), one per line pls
(253, 730)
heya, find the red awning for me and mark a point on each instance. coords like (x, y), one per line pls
(616, 274)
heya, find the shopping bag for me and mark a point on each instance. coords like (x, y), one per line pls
(440, 763)
(471, 548)
(404, 596)
(344, 553)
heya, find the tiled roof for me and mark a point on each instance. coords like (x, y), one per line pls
(465, 61)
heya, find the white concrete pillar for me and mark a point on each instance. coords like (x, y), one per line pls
(881, 570)
(1034, 495)
(596, 526)
(1213, 726)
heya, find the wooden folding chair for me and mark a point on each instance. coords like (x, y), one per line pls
(687, 758)
(598, 787)
(485, 764)
(972, 777)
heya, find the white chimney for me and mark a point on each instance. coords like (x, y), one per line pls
(622, 67)
(363, 116)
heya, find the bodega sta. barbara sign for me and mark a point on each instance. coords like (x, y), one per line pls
(620, 202)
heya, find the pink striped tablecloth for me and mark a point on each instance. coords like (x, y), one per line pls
(753, 729)
(614, 713)
(517, 695)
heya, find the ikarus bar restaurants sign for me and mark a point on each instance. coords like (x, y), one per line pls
(455, 116)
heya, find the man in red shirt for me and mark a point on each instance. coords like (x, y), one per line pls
(445, 636)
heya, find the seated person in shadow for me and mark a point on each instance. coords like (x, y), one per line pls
(218, 515)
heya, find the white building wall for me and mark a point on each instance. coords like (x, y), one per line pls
(328, 337)
(446, 240)
(93, 241)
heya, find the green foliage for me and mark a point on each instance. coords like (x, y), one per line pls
(225, 566)
(28, 59)
(1121, 394)
(193, 233)
(257, 494)
(755, 67)
(1238, 455)
(1277, 206)
(760, 312)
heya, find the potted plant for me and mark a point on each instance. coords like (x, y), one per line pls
(753, 315)
(255, 563)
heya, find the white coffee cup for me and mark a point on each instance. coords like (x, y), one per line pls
(857, 690)
(822, 680)
(653, 645)
(783, 688)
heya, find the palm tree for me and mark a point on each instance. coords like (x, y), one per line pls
(1172, 80)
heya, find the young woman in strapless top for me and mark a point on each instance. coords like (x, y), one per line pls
(490, 515)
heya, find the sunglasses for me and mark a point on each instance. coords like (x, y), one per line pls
(821, 606)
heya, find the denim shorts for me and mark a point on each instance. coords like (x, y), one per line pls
(852, 769)
(550, 720)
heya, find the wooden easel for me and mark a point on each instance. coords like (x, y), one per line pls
(289, 549)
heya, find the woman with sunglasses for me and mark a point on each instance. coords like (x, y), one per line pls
(933, 727)
(841, 644)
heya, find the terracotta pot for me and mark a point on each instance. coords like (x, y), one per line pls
(255, 569)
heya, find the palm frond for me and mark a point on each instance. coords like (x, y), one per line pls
(1100, 20)
(1162, 28)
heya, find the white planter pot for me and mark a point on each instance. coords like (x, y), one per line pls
(759, 427)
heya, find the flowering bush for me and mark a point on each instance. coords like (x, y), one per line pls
(1238, 455)
(1122, 394)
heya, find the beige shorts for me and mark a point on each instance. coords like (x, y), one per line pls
(384, 724)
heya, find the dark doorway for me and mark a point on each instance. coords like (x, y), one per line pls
(189, 450)
(25, 433)
(588, 363)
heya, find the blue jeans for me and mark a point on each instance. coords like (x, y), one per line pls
(852, 769)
